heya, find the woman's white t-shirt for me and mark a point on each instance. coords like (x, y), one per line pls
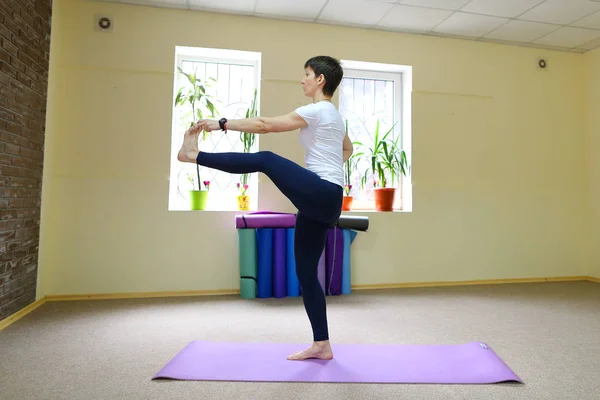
(323, 140)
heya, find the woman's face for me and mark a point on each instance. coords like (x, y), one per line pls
(310, 82)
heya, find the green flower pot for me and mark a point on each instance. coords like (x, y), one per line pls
(198, 199)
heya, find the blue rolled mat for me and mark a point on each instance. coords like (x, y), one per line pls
(265, 262)
(279, 262)
(334, 261)
(293, 286)
(248, 262)
(349, 237)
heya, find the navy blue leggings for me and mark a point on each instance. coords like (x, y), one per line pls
(319, 205)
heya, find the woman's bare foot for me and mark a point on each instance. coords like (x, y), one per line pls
(319, 350)
(189, 148)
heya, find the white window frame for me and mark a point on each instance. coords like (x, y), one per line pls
(402, 77)
(216, 56)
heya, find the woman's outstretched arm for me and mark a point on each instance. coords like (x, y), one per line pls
(282, 123)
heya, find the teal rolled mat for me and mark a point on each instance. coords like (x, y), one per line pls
(248, 263)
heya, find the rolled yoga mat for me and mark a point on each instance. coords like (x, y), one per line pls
(279, 262)
(293, 286)
(349, 237)
(265, 220)
(321, 271)
(334, 261)
(265, 262)
(283, 220)
(248, 262)
(356, 222)
(471, 363)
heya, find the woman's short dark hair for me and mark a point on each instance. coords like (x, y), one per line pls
(331, 70)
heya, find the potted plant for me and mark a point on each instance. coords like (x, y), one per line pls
(392, 162)
(347, 199)
(248, 140)
(197, 99)
(387, 159)
(198, 197)
(243, 199)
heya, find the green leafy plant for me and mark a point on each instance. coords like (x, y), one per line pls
(249, 138)
(385, 157)
(196, 97)
(392, 160)
(198, 100)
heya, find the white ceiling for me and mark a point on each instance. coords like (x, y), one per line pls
(571, 25)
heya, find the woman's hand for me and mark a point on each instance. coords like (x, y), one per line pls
(207, 125)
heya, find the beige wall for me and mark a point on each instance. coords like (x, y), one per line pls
(499, 177)
(592, 126)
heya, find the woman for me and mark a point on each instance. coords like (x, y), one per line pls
(316, 191)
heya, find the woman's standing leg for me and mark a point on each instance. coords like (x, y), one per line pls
(309, 243)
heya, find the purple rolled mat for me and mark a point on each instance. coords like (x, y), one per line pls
(334, 252)
(279, 262)
(271, 219)
(322, 272)
(265, 219)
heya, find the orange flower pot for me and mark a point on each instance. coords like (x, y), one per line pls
(347, 203)
(384, 199)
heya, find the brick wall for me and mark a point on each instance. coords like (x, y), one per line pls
(24, 55)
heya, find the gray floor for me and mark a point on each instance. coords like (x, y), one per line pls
(548, 333)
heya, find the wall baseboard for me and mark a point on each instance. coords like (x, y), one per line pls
(472, 283)
(141, 295)
(21, 313)
(119, 296)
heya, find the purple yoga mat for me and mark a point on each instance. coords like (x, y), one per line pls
(279, 262)
(265, 219)
(322, 272)
(471, 363)
(334, 261)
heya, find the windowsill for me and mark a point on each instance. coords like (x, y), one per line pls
(227, 203)
(368, 206)
(252, 210)
(217, 204)
(213, 210)
(372, 210)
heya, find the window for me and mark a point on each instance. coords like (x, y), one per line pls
(229, 83)
(369, 94)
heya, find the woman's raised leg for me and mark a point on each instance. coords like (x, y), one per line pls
(305, 189)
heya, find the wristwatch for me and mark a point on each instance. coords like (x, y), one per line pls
(223, 124)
